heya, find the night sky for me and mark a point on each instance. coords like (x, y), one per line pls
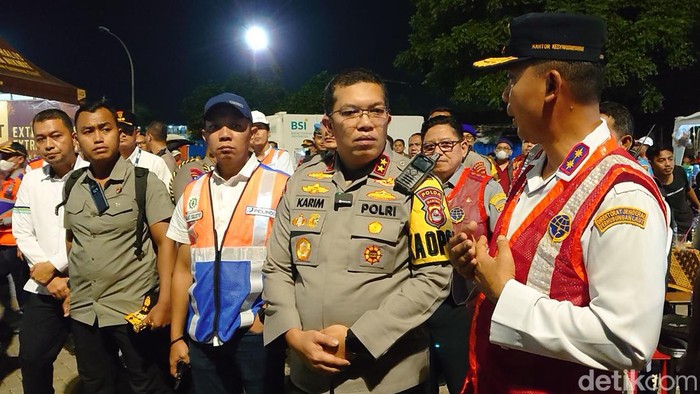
(178, 45)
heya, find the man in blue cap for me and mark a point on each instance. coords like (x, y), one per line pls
(564, 306)
(221, 223)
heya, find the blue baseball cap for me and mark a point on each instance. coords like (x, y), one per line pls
(231, 99)
(467, 128)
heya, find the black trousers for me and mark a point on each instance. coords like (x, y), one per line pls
(42, 333)
(449, 345)
(96, 350)
(12, 265)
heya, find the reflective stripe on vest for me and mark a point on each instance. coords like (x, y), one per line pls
(468, 195)
(272, 157)
(242, 249)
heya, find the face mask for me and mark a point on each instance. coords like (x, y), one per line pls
(502, 155)
(6, 165)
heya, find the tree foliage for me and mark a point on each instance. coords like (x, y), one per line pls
(308, 99)
(263, 93)
(647, 41)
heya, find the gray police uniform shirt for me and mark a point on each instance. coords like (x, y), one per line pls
(187, 172)
(364, 256)
(107, 280)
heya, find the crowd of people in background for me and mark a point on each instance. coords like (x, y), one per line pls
(489, 273)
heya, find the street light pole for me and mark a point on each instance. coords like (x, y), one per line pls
(131, 64)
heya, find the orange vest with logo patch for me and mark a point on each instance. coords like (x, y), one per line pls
(227, 280)
(494, 369)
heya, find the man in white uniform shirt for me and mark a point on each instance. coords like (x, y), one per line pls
(572, 287)
(41, 238)
(126, 121)
(278, 159)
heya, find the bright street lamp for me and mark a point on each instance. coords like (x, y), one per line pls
(131, 64)
(256, 38)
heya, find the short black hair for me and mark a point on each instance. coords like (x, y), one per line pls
(624, 125)
(441, 109)
(439, 120)
(655, 150)
(586, 78)
(400, 140)
(158, 130)
(92, 107)
(53, 113)
(349, 78)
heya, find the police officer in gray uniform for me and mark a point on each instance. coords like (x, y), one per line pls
(355, 267)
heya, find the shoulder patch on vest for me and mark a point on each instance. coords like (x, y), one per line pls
(620, 215)
(498, 200)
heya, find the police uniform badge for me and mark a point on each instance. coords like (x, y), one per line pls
(313, 220)
(372, 254)
(375, 228)
(299, 221)
(431, 197)
(313, 189)
(381, 195)
(319, 175)
(559, 227)
(303, 249)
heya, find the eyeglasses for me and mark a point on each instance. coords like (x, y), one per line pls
(356, 113)
(445, 147)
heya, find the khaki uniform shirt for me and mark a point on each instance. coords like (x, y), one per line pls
(365, 256)
(168, 158)
(186, 173)
(107, 280)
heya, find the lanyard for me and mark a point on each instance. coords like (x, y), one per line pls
(138, 156)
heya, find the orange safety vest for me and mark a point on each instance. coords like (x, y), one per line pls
(227, 279)
(36, 163)
(271, 158)
(494, 369)
(8, 195)
(466, 202)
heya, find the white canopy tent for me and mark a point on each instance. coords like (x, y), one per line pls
(686, 133)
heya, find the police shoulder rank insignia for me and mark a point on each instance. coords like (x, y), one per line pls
(319, 175)
(303, 249)
(498, 200)
(576, 156)
(559, 227)
(372, 254)
(375, 228)
(431, 197)
(382, 195)
(620, 215)
(299, 221)
(457, 215)
(381, 166)
(313, 189)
